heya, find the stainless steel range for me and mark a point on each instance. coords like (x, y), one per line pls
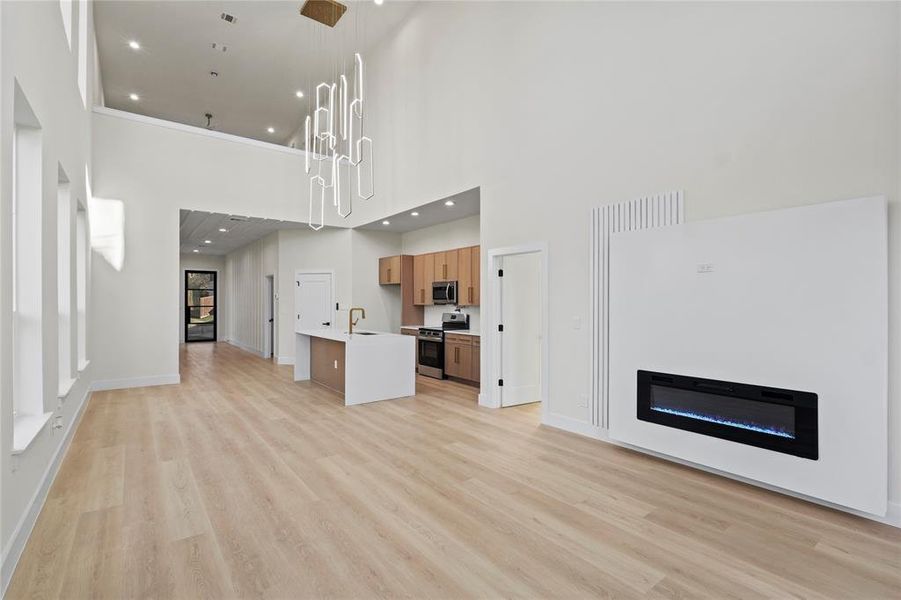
(431, 343)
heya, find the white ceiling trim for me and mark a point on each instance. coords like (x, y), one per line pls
(228, 137)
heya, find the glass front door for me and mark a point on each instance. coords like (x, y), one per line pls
(200, 306)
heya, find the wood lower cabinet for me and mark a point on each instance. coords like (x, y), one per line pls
(461, 356)
(390, 270)
(476, 359)
(327, 363)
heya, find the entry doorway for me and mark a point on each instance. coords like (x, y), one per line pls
(519, 335)
(269, 318)
(200, 306)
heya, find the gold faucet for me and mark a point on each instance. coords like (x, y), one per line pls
(350, 318)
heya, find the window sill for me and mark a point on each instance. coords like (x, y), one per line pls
(82, 366)
(64, 388)
(26, 428)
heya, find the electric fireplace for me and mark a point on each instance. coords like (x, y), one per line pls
(775, 419)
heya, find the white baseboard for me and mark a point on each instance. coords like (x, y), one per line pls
(247, 348)
(133, 382)
(573, 425)
(285, 360)
(892, 516)
(22, 532)
(487, 401)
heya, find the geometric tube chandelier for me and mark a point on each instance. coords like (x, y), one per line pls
(338, 155)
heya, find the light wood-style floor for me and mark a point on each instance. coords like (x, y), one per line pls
(241, 483)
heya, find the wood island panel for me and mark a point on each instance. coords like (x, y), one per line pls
(324, 356)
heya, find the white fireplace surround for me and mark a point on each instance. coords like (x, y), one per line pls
(794, 299)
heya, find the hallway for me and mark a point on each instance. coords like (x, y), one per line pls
(240, 483)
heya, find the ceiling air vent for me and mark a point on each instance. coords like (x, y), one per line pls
(229, 18)
(237, 218)
(327, 12)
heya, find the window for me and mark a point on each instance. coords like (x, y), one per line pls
(27, 340)
(82, 244)
(65, 7)
(83, 50)
(64, 283)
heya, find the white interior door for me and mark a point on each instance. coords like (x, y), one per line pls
(314, 305)
(521, 338)
(269, 317)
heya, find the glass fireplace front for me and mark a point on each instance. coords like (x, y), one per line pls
(776, 419)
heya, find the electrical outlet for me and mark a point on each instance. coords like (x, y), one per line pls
(577, 322)
(705, 267)
(583, 400)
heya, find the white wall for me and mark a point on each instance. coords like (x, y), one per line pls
(382, 302)
(203, 262)
(34, 52)
(166, 168)
(246, 269)
(745, 106)
(446, 236)
(305, 249)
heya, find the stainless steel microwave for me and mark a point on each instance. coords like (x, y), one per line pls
(444, 292)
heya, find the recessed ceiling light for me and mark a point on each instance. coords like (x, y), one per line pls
(386, 222)
(270, 129)
(134, 45)
(195, 250)
(134, 96)
(223, 230)
(449, 203)
(414, 214)
(207, 241)
(299, 94)
(214, 74)
(379, 2)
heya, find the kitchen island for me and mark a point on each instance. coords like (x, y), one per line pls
(364, 366)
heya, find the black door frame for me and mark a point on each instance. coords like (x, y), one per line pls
(215, 275)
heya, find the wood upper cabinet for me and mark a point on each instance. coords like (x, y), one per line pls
(461, 265)
(389, 270)
(429, 278)
(469, 271)
(423, 276)
(476, 275)
(446, 265)
(419, 279)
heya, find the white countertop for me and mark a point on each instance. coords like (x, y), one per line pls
(342, 336)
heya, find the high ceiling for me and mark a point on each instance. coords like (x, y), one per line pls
(198, 226)
(271, 53)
